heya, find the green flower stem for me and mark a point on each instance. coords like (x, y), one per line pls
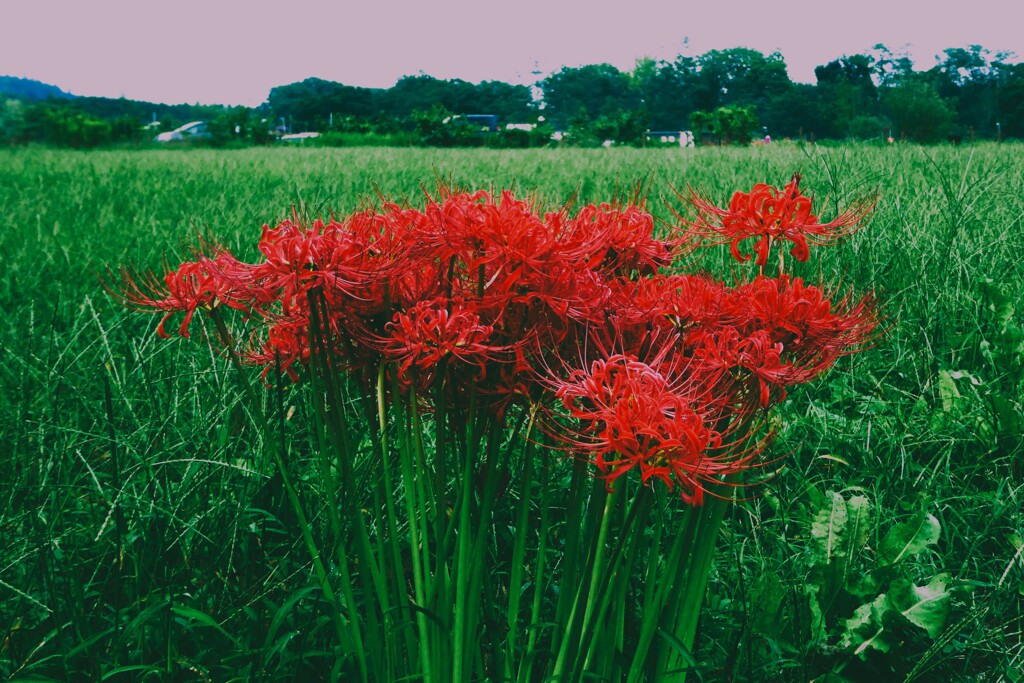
(293, 496)
(577, 622)
(484, 525)
(392, 522)
(333, 406)
(570, 557)
(519, 548)
(327, 397)
(660, 588)
(463, 560)
(617, 569)
(672, 664)
(533, 630)
(414, 517)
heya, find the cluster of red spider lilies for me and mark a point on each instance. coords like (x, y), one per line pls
(479, 300)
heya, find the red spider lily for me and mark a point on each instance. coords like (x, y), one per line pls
(615, 240)
(193, 285)
(683, 301)
(769, 215)
(637, 418)
(668, 366)
(286, 345)
(746, 365)
(340, 259)
(813, 330)
(436, 331)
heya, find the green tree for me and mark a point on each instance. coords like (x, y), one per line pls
(510, 103)
(969, 79)
(1010, 101)
(596, 90)
(312, 103)
(667, 91)
(916, 110)
(796, 112)
(846, 91)
(726, 125)
(889, 67)
(12, 120)
(740, 76)
(54, 123)
(627, 127)
(439, 127)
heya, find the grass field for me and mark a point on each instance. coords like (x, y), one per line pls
(137, 542)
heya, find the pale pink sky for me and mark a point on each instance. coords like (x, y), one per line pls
(233, 52)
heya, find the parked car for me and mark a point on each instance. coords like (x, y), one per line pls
(190, 131)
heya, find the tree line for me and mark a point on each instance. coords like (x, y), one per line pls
(724, 96)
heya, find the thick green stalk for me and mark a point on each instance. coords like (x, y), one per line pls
(570, 558)
(671, 663)
(519, 548)
(478, 551)
(597, 608)
(392, 522)
(332, 434)
(463, 561)
(661, 588)
(293, 496)
(577, 620)
(414, 514)
(533, 630)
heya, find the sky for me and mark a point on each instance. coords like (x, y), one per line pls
(234, 52)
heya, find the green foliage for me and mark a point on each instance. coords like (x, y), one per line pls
(726, 125)
(310, 104)
(869, 128)
(439, 127)
(587, 93)
(853, 601)
(12, 119)
(976, 90)
(916, 109)
(739, 76)
(59, 125)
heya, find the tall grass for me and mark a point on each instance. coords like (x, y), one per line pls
(142, 539)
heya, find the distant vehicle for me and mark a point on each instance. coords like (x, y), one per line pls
(190, 131)
(487, 123)
(299, 137)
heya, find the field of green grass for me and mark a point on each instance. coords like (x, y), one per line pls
(138, 542)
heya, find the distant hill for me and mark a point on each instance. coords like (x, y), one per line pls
(28, 89)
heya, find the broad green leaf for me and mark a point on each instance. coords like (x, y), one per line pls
(283, 612)
(925, 606)
(858, 510)
(828, 527)
(677, 645)
(818, 631)
(865, 630)
(908, 539)
(948, 393)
